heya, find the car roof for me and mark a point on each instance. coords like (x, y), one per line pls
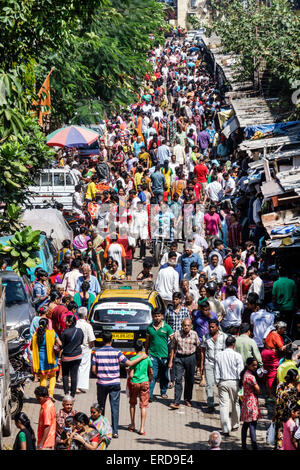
(55, 170)
(125, 293)
(9, 275)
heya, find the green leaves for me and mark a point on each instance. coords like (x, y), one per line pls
(260, 34)
(21, 250)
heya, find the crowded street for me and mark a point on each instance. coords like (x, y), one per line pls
(149, 291)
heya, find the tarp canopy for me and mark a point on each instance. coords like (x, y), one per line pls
(263, 130)
(230, 126)
(47, 220)
(224, 116)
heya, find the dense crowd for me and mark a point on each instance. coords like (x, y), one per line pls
(166, 173)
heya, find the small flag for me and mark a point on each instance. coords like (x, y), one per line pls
(46, 101)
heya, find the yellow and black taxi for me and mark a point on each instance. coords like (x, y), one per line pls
(124, 309)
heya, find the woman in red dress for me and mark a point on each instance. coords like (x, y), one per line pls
(250, 410)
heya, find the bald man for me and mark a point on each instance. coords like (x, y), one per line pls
(186, 345)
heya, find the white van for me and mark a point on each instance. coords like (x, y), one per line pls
(54, 184)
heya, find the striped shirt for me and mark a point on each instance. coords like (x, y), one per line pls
(107, 360)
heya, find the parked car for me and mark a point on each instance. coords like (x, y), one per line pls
(125, 310)
(46, 253)
(5, 395)
(54, 184)
(88, 150)
(18, 303)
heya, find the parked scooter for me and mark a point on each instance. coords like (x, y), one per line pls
(18, 357)
(17, 384)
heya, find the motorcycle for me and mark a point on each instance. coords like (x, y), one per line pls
(17, 393)
(18, 356)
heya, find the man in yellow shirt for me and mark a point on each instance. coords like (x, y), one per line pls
(144, 156)
(286, 365)
(91, 189)
(138, 176)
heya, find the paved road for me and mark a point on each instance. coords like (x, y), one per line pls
(183, 429)
(166, 429)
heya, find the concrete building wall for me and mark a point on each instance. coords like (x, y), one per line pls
(185, 7)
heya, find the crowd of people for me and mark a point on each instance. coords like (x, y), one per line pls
(166, 172)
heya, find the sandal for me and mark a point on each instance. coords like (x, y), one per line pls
(131, 429)
(142, 433)
(164, 396)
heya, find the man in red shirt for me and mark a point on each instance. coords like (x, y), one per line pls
(201, 171)
(123, 240)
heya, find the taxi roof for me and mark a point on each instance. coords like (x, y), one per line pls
(126, 293)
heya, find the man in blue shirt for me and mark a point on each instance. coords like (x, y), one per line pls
(137, 145)
(157, 183)
(88, 277)
(189, 257)
(163, 154)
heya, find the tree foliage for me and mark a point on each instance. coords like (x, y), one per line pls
(259, 33)
(99, 66)
(21, 250)
(99, 51)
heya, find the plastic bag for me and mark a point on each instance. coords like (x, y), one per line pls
(271, 434)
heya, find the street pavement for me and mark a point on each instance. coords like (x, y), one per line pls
(166, 429)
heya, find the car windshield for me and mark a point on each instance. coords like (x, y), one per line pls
(126, 313)
(14, 292)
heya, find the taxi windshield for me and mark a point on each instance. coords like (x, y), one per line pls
(123, 312)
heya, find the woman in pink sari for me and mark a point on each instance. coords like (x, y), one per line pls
(80, 241)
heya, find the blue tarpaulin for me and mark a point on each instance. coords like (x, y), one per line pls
(279, 128)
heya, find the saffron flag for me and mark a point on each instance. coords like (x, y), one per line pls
(46, 101)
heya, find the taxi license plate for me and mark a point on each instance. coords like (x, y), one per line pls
(123, 335)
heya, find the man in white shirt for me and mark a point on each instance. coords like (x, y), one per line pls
(228, 366)
(228, 185)
(257, 284)
(165, 257)
(213, 190)
(173, 165)
(71, 277)
(77, 202)
(83, 377)
(179, 152)
(147, 108)
(193, 278)
(117, 252)
(234, 309)
(260, 319)
(167, 281)
(214, 270)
